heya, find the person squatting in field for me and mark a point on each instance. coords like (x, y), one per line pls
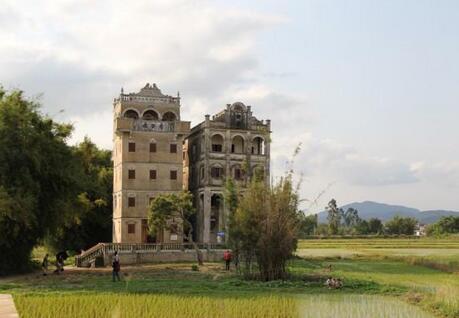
(333, 283)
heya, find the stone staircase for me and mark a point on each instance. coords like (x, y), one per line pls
(145, 252)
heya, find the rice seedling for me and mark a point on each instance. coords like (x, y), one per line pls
(120, 306)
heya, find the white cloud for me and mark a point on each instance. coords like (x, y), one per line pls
(336, 161)
(80, 53)
(91, 126)
(445, 174)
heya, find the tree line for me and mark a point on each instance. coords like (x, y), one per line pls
(348, 222)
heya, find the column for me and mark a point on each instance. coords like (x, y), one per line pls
(206, 219)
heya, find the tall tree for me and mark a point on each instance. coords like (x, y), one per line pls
(92, 220)
(37, 183)
(308, 224)
(334, 217)
(351, 217)
(362, 227)
(375, 226)
(446, 225)
(167, 207)
(401, 225)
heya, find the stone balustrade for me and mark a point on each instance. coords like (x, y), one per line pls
(148, 252)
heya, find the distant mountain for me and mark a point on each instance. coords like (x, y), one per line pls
(385, 212)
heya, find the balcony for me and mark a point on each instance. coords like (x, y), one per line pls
(129, 124)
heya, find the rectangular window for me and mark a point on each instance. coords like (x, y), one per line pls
(131, 202)
(131, 147)
(216, 172)
(237, 174)
(173, 174)
(131, 174)
(150, 200)
(152, 174)
(131, 228)
(152, 147)
(173, 148)
(217, 148)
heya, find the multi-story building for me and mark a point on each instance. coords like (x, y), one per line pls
(233, 144)
(147, 156)
(155, 152)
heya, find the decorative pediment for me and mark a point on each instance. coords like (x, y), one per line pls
(150, 90)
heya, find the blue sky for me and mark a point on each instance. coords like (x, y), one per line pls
(370, 88)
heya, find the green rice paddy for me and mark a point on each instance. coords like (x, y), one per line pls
(317, 306)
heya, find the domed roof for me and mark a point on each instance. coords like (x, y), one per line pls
(238, 106)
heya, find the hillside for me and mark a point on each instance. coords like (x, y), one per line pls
(369, 209)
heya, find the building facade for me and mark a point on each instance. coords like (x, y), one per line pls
(147, 157)
(232, 144)
(155, 152)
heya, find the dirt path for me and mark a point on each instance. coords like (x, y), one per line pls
(212, 268)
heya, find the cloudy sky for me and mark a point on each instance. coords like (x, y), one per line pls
(370, 88)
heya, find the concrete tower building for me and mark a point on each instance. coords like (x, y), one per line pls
(232, 144)
(147, 156)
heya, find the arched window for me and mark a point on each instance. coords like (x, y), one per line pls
(130, 113)
(258, 146)
(237, 145)
(217, 143)
(150, 115)
(216, 206)
(169, 116)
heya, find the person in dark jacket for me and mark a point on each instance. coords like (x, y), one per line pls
(44, 265)
(116, 266)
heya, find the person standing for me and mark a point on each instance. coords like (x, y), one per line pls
(44, 265)
(59, 264)
(227, 256)
(116, 266)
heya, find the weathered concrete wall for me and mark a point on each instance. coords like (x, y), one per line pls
(142, 257)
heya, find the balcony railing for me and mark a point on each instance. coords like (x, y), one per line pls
(103, 249)
(130, 124)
